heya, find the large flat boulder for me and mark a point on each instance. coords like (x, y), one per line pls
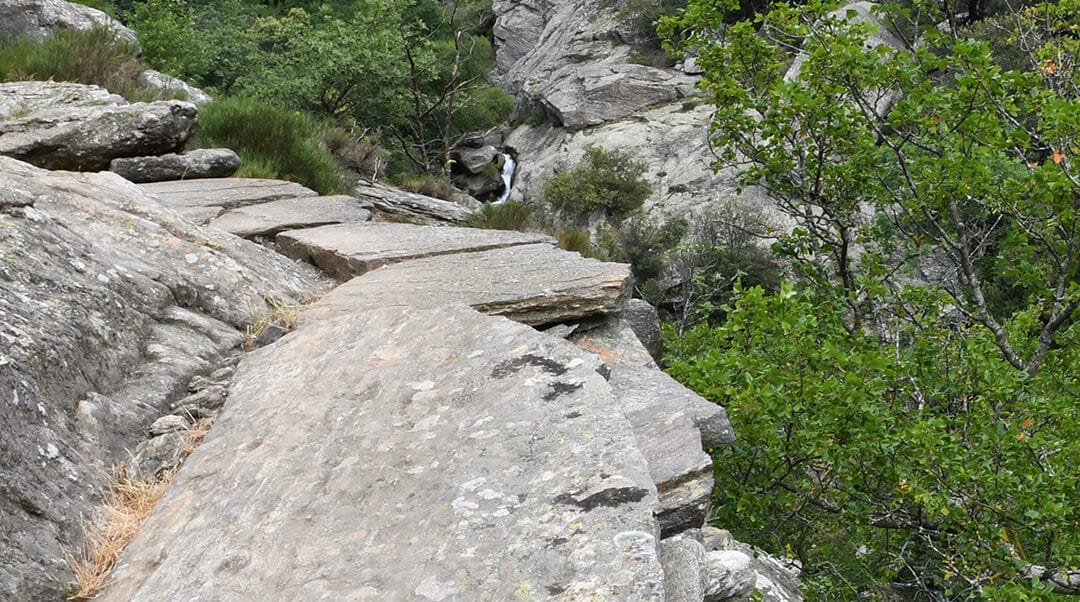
(84, 137)
(196, 164)
(18, 99)
(344, 251)
(409, 205)
(535, 284)
(268, 219)
(204, 199)
(39, 18)
(167, 86)
(405, 454)
(109, 304)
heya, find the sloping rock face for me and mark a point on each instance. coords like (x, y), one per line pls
(268, 219)
(84, 136)
(204, 199)
(349, 250)
(38, 19)
(490, 456)
(534, 284)
(109, 304)
(196, 164)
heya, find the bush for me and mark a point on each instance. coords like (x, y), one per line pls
(577, 241)
(169, 42)
(505, 216)
(428, 185)
(272, 143)
(361, 154)
(608, 180)
(94, 56)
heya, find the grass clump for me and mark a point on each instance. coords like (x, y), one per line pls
(436, 186)
(511, 215)
(277, 313)
(272, 143)
(94, 56)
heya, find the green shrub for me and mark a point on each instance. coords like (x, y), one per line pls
(94, 56)
(169, 42)
(436, 186)
(608, 180)
(504, 216)
(576, 240)
(272, 143)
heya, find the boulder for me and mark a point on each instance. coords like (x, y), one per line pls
(475, 160)
(685, 569)
(205, 199)
(196, 164)
(410, 205)
(83, 137)
(730, 577)
(777, 579)
(18, 99)
(535, 284)
(268, 219)
(39, 18)
(399, 453)
(109, 304)
(168, 87)
(345, 251)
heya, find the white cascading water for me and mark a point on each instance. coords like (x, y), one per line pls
(507, 178)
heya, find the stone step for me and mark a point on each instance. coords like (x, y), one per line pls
(348, 250)
(204, 199)
(535, 284)
(268, 219)
(199, 163)
(400, 453)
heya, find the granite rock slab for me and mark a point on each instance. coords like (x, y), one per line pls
(196, 164)
(412, 454)
(226, 193)
(348, 250)
(409, 205)
(268, 219)
(534, 284)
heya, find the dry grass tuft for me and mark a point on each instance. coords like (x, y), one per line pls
(196, 433)
(279, 313)
(129, 502)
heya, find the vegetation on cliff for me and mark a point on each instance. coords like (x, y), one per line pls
(908, 412)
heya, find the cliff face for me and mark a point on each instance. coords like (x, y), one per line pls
(570, 61)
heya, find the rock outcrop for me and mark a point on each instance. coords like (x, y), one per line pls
(270, 218)
(191, 165)
(346, 251)
(491, 456)
(109, 304)
(83, 135)
(39, 18)
(407, 205)
(202, 200)
(168, 86)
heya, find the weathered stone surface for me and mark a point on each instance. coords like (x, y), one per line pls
(588, 95)
(730, 577)
(169, 424)
(196, 164)
(534, 284)
(684, 563)
(476, 160)
(657, 407)
(777, 578)
(94, 345)
(633, 369)
(86, 138)
(644, 320)
(344, 251)
(537, 490)
(213, 195)
(154, 457)
(410, 205)
(18, 99)
(168, 86)
(268, 219)
(38, 19)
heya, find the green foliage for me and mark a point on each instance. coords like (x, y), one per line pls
(935, 465)
(272, 143)
(577, 241)
(899, 431)
(642, 16)
(94, 57)
(607, 179)
(510, 215)
(169, 42)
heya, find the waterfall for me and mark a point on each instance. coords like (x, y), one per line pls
(507, 178)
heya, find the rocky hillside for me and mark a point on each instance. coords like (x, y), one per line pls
(469, 415)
